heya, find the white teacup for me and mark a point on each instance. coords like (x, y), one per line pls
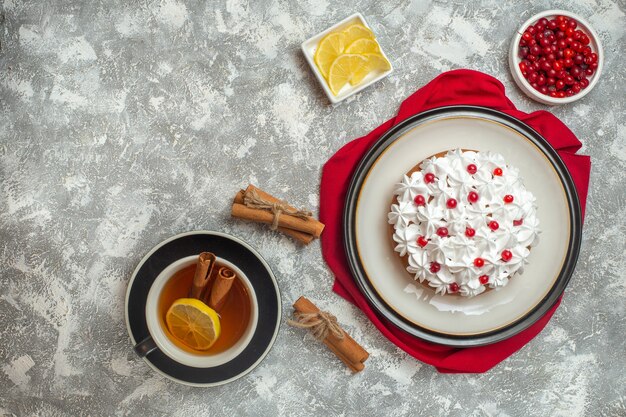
(159, 340)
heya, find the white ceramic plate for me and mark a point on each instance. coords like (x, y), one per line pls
(461, 319)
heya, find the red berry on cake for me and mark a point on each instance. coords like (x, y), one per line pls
(422, 241)
(472, 197)
(493, 225)
(429, 177)
(469, 232)
(479, 262)
(472, 169)
(442, 231)
(483, 279)
(420, 200)
(451, 203)
(454, 287)
(508, 199)
(435, 267)
(506, 255)
(497, 172)
(518, 222)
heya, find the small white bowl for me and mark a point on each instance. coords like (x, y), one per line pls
(310, 45)
(514, 59)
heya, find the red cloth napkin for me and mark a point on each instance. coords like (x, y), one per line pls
(450, 88)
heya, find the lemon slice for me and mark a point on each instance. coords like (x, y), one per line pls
(346, 68)
(354, 32)
(363, 46)
(329, 48)
(377, 62)
(193, 323)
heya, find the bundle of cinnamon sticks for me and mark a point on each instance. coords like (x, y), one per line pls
(211, 284)
(256, 205)
(326, 328)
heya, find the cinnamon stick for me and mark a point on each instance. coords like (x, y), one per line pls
(202, 276)
(346, 348)
(301, 237)
(221, 287)
(309, 225)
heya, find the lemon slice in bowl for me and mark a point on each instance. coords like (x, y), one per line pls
(346, 68)
(363, 46)
(194, 323)
(377, 62)
(356, 31)
(329, 48)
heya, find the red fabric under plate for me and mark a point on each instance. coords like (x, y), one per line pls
(450, 88)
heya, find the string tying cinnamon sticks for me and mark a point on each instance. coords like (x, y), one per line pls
(252, 199)
(321, 324)
(256, 205)
(326, 329)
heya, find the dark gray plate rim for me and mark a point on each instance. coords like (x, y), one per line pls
(349, 232)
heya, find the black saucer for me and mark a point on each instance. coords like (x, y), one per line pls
(233, 250)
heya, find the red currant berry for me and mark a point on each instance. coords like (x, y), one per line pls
(473, 197)
(497, 172)
(493, 225)
(422, 241)
(508, 199)
(483, 279)
(518, 222)
(469, 232)
(451, 203)
(506, 255)
(479, 262)
(429, 177)
(471, 168)
(454, 287)
(420, 200)
(435, 267)
(442, 231)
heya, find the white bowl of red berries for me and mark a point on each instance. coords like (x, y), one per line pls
(556, 57)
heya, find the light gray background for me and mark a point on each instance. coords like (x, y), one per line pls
(126, 122)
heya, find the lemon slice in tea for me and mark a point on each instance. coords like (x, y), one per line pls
(193, 323)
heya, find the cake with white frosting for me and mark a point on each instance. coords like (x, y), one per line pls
(463, 222)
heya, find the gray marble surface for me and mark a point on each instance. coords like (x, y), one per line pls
(126, 122)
